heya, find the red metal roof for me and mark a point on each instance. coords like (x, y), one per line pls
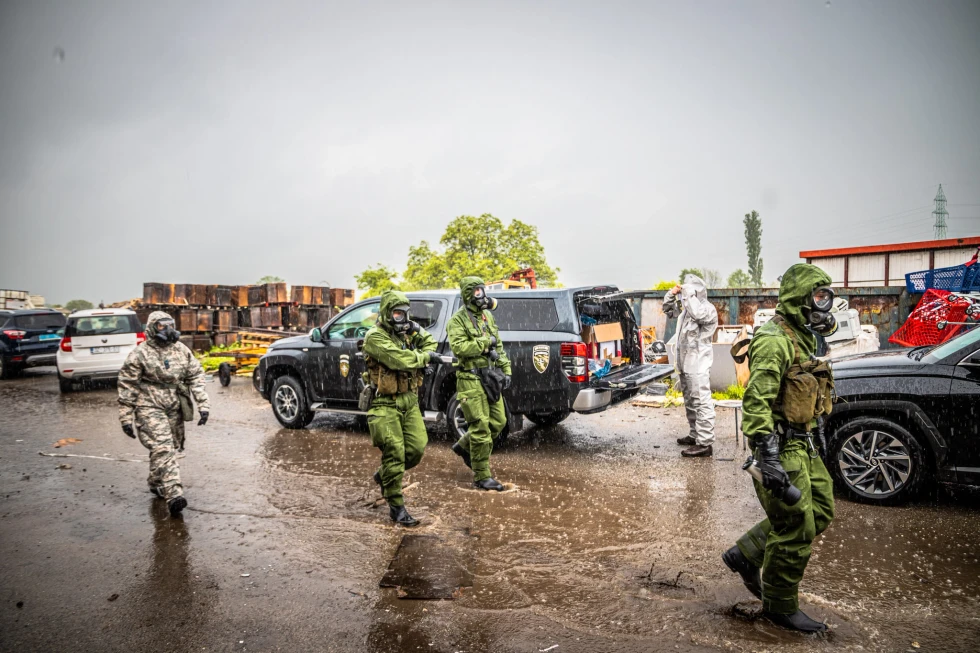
(897, 247)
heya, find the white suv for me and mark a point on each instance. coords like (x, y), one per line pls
(96, 344)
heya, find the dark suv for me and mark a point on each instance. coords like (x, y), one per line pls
(542, 333)
(905, 418)
(29, 338)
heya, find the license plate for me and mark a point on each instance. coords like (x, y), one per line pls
(105, 350)
(50, 336)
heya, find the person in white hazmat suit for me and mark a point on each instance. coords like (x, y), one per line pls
(697, 320)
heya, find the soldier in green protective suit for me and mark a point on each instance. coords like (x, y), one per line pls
(475, 340)
(788, 392)
(396, 352)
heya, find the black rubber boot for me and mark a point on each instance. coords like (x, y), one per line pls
(489, 484)
(697, 451)
(400, 516)
(377, 478)
(462, 453)
(687, 440)
(751, 576)
(176, 505)
(796, 621)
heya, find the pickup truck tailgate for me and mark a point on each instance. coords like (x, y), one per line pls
(633, 376)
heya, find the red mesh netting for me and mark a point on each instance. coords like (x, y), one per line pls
(921, 327)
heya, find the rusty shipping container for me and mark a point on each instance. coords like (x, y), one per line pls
(886, 307)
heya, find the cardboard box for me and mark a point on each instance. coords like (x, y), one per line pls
(602, 332)
(609, 349)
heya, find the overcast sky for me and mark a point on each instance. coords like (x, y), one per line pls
(217, 142)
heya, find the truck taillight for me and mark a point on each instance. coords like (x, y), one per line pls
(140, 338)
(14, 334)
(574, 361)
(66, 343)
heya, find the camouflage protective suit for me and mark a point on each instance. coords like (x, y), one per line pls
(394, 419)
(149, 381)
(469, 332)
(780, 544)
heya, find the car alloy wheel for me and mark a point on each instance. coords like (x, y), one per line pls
(287, 403)
(875, 464)
(459, 421)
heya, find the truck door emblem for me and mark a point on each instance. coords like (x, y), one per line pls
(344, 365)
(542, 356)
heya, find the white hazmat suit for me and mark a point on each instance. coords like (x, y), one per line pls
(696, 325)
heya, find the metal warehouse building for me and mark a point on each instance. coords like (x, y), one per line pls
(887, 265)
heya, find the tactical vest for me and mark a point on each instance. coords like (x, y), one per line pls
(806, 390)
(392, 382)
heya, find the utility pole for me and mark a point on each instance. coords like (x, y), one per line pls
(939, 227)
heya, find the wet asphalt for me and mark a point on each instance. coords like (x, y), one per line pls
(611, 542)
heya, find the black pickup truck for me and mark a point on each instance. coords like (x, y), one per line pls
(541, 331)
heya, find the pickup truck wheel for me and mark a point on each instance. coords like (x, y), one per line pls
(455, 421)
(289, 403)
(877, 461)
(255, 379)
(548, 419)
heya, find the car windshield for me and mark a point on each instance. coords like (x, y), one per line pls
(971, 337)
(101, 325)
(40, 322)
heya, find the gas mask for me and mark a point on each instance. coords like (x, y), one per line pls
(166, 333)
(400, 319)
(820, 320)
(481, 300)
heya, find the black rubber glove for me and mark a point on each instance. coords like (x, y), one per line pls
(493, 355)
(493, 341)
(435, 358)
(507, 382)
(128, 430)
(774, 477)
(204, 418)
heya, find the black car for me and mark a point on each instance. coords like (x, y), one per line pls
(541, 331)
(906, 419)
(29, 338)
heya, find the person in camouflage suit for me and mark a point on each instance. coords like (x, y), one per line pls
(397, 352)
(155, 386)
(475, 340)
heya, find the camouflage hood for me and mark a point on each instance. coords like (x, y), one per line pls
(466, 287)
(151, 325)
(389, 300)
(798, 284)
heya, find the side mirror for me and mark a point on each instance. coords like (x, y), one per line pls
(316, 335)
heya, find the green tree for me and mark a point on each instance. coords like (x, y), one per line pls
(712, 278)
(270, 279)
(665, 285)
(739, 279)
(376, 280)
(78, 305)
(753, 246)
(698, 272)
(481, 246)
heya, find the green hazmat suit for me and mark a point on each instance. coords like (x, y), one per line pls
(469, 330)
(398, 361)
(780, 544)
